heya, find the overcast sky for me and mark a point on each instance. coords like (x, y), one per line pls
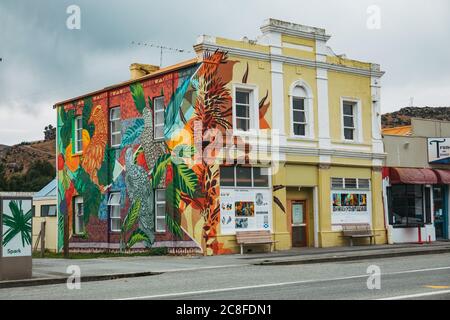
(44, 62)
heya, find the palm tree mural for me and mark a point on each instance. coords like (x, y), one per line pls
(18, 223)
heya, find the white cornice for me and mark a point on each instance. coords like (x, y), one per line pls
(374, 72)
(293, 29)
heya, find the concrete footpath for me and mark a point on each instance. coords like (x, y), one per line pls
(54, 271)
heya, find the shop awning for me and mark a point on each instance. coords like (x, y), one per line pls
(443, 175)
(413, 176)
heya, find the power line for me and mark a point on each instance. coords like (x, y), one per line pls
(161, 47)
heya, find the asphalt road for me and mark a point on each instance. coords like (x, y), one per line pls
(416, 277)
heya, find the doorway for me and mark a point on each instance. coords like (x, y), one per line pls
(299, 223)
(440, 204)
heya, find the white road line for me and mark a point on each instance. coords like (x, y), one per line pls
(187, 293)
(417, 295)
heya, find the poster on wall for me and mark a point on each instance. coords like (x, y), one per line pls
(16, 217)
(245, 209)
(350, 207)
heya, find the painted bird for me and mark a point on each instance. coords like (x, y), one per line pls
(139, 189)
(94, 154)
(152, 150)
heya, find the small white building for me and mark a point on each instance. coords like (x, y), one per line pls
(44, 203)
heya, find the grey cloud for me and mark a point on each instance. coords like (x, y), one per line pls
(44, 62)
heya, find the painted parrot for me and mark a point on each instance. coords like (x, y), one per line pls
(94, 154)
(140, 189)
(152, 150)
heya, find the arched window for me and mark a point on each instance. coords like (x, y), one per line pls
(302, 120)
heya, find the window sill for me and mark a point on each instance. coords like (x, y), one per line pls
(302, 138)
(351, 142)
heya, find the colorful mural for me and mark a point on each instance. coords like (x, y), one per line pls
(198, 96)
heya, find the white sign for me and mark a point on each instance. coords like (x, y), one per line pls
(245, 209)
(17, 236)
(439, 150)
(350, 207)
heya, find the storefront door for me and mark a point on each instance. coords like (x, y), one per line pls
(440, 212)
(299, 223)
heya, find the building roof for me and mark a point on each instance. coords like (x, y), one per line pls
(168, 69)
(8, 194)
(47, 192)
(398, 131)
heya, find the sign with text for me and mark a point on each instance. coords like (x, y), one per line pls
(245, 209)
(439, 150)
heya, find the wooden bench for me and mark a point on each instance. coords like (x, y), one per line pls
(254, 237)
(360, 230)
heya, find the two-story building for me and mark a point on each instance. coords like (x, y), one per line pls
(277, 133)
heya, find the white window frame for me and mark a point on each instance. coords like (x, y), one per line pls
(78, 132)
(309, 110)
(159, 125)
(78, 200)
(114, 133)
(343, 181)
(114, 205)
(158, 215)
(269, 179)
(357, 117)
(254, 107)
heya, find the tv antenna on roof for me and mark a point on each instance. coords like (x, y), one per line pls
(162, 48)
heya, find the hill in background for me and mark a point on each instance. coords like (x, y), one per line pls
(403, 116)
(28, 166)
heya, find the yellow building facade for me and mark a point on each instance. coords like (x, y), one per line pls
(322, 113)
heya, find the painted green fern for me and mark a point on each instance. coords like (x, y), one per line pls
(18, 223)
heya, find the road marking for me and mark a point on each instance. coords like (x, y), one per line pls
(417, 295)
(438, 287)
(187, 293)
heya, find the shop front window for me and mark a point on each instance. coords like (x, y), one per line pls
(407, 206)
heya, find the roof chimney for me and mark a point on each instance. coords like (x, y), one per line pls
(138, 70)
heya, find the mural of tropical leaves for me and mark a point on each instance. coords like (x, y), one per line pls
(160, 169)
(87, 110)
(173, 226)
(276, 199)
(137, 92)
(132, 217)
(172, 112)
(137, 236)
(173, 195)
(133, 132)
(19, 223)
(185, 178)
(184, 151)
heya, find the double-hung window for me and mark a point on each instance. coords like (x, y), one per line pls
(78, 132)
(115, 127)
(299, 116)
(114, 211)
(349, 120)
(243, 110)
(78, 216)
(160, 200)
(158, 104)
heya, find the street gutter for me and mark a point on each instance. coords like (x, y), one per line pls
(344, 258)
